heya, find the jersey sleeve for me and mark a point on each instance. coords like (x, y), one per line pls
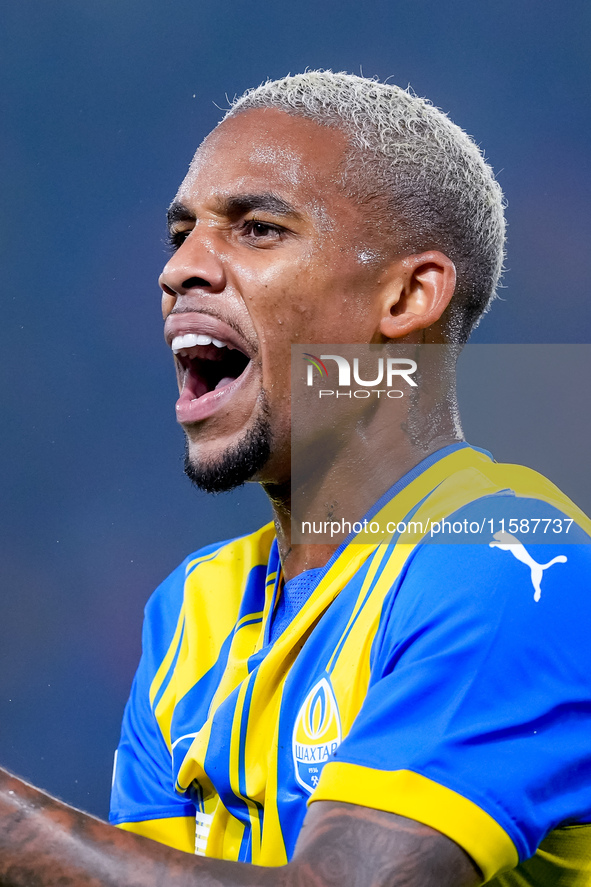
(477, 720)
(143, 798)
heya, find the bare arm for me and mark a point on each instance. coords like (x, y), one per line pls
(342, 845)
(44, 843)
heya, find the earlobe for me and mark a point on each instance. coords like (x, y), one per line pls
(420, 289)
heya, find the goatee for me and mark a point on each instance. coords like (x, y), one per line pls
(238, 464)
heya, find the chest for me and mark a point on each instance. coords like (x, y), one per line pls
(250, 735)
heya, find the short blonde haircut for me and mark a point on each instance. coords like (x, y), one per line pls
(411, 167)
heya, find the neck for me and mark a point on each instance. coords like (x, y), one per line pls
(351, 474)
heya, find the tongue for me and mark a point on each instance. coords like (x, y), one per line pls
(225, 381)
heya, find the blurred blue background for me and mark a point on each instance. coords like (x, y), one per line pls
(103, 105)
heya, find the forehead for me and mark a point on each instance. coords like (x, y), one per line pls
(268, 150)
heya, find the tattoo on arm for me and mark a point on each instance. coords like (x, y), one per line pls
(343, 844)
(44, 843)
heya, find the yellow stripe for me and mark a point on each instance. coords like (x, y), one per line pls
(350, 684)
(261, 754)
(272, 851)
(563, 858)
(527, 482)
(260, 760)
(243, 644)
(195, 756)
(428, 484)
(269, 594)
(177, 832)
(232, 835)
(403, 792)
(235, 748)
(462, 477)
(209, 624)
(248, 618)
(202, 559)
(167, 661)
(373, 568)
(416, 797)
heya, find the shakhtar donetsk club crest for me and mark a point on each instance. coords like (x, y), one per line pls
(316, 734)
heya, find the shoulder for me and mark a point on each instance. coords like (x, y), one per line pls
(505, 570)
(521, 523)
(505, 536)
(222, 567)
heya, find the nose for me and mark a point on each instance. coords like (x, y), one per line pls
(196, 265)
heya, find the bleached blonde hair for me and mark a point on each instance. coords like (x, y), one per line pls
(421, 176)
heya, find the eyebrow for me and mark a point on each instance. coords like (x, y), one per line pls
(236, 205)
(178, 212)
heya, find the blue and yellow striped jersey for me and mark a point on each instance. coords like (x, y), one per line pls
(449, 683)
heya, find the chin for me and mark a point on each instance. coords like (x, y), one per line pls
(236, 465)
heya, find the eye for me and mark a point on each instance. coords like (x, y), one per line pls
(175, 239)
(256, 230)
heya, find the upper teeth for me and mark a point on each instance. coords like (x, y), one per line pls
(189, 340)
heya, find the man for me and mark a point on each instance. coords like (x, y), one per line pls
(429, 702)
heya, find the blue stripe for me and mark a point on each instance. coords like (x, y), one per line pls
(276, 590)
(250, 622)
(203, 560)
(241, 759)
(213, 550)
(245, 852)
(198, 796)
(145, 814)
(170, 671)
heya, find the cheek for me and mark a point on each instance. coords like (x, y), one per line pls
(320, 294)
(335, 299)
(273, 290)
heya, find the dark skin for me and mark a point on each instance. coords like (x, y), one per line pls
(278, 272)
(266, 240)
(44, 843)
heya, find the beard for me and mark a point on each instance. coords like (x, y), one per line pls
(236, 465)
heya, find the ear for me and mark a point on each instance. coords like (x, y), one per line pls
(415, 293)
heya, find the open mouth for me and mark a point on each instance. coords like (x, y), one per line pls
(207, 364)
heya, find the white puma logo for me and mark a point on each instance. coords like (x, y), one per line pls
(507, 542)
